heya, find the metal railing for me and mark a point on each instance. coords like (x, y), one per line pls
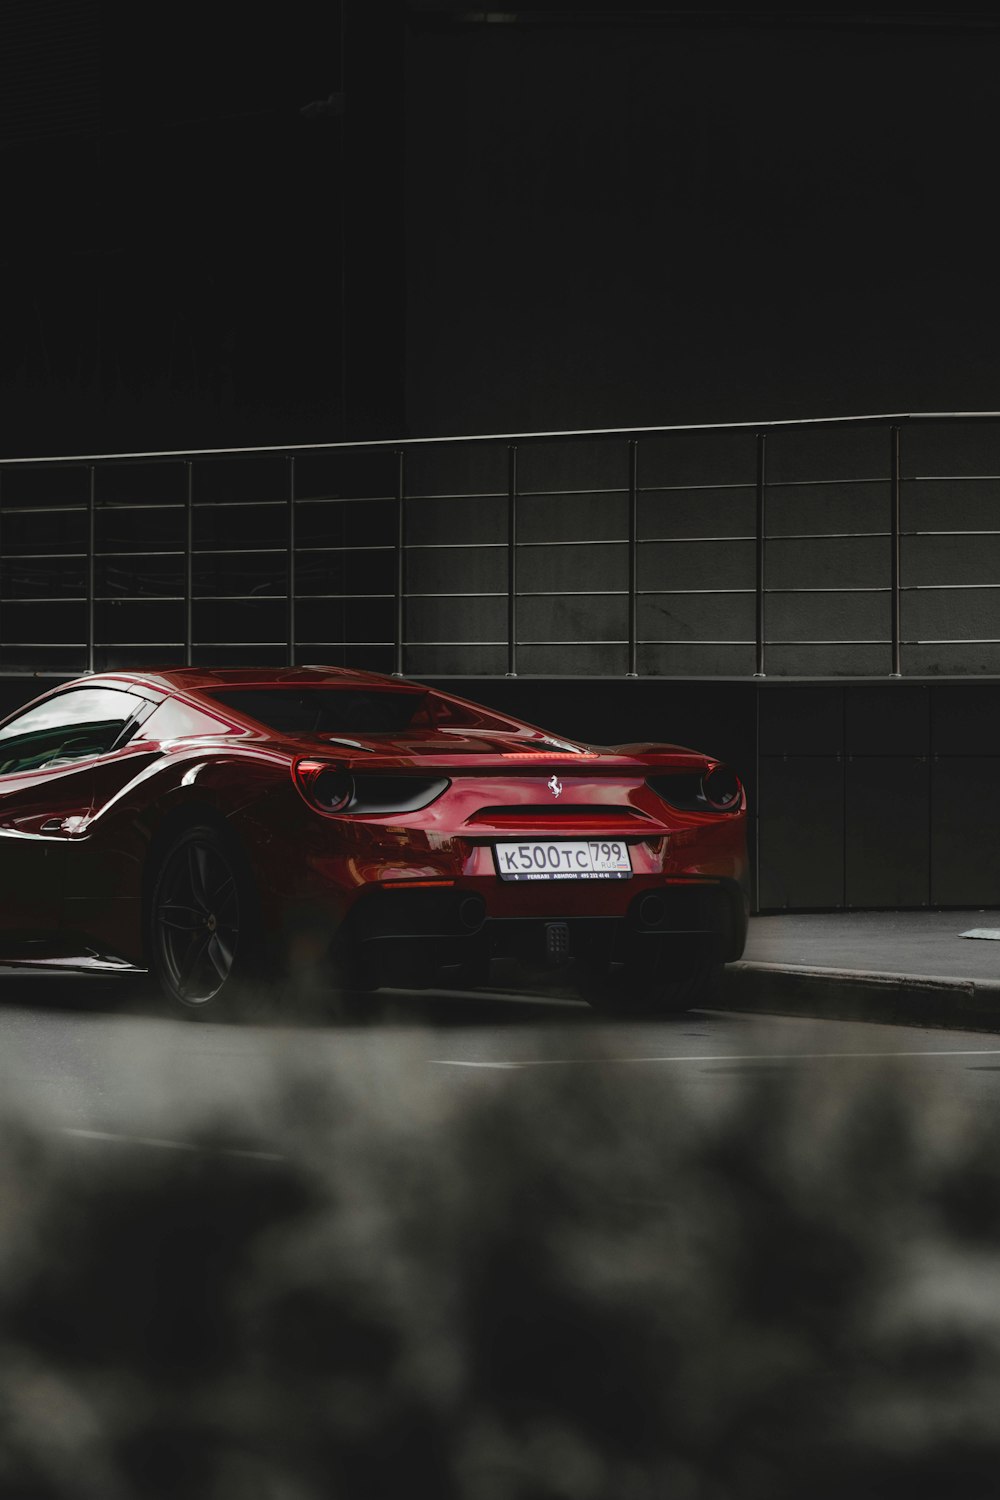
(861, 546)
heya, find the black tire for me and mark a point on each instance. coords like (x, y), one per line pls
(202, 923)
(678, 976)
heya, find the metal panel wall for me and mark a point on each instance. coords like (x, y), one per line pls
(660, 564)
(861, 548)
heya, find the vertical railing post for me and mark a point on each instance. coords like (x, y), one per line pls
(633, 558)
(290, 583)
(1, 557)
(761, 534)
(189, 565)
(400, 586)
(894, 546)
(512, 560)
(91, 535)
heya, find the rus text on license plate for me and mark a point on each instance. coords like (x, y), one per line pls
(583, 859)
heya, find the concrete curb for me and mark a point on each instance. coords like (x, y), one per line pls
(861, 995)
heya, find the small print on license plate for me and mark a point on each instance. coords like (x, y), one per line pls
(583, 859)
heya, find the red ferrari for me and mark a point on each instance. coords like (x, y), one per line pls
(220, 828)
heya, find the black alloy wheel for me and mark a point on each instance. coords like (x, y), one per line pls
(199, 910)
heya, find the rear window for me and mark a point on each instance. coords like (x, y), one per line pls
(354, 710)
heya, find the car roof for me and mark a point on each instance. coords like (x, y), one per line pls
(209, 679)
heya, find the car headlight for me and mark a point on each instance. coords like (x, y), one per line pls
(718, 789)
(329, 789)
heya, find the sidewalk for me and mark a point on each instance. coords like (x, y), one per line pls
(914, 968)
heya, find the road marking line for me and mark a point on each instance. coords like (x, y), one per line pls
(549, 1062)
(452, 1062)
(163, 1145)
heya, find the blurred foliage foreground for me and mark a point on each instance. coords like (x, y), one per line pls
(551, 1282)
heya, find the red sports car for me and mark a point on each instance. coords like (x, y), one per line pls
(220, 827)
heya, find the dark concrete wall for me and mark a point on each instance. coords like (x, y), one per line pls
(187, 259)
(615, 224)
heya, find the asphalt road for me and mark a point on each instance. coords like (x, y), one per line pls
(95, 1058)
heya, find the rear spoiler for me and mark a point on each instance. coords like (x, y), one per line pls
(616, 762)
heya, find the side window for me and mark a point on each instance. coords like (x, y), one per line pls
(173, 720)
(71, 726)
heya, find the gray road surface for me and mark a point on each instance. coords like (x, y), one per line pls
(96, 1059)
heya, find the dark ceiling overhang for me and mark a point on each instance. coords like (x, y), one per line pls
(436, 14)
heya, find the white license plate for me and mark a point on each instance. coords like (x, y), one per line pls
(544, 859)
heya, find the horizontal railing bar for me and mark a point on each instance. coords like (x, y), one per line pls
(826, 588)
(827, 536)
(136, 507)
(77, 509)
(456, 495)
(680, 489)
(198, 645)
(864, 588)
(776, 536)
(228, 505)
(521, 642)
(71, 507)
(653, 593)
(332, 547)
(593, 493)
(102, 507)
(196, 598)
(411, 642)
(643, 641)
(642, 541)
(216, 552)
(812, 484)
(554, 593)
(860, 420)
(828, 641)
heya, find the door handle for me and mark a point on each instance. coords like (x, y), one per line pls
(53, 825)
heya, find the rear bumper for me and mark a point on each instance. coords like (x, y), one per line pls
(407, 937)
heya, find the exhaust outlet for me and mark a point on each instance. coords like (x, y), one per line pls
(652, 910)
(471, 913)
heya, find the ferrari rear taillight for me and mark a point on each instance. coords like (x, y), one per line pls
(328, 788)
(716, 790)
(722, 788)
(323, 785)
